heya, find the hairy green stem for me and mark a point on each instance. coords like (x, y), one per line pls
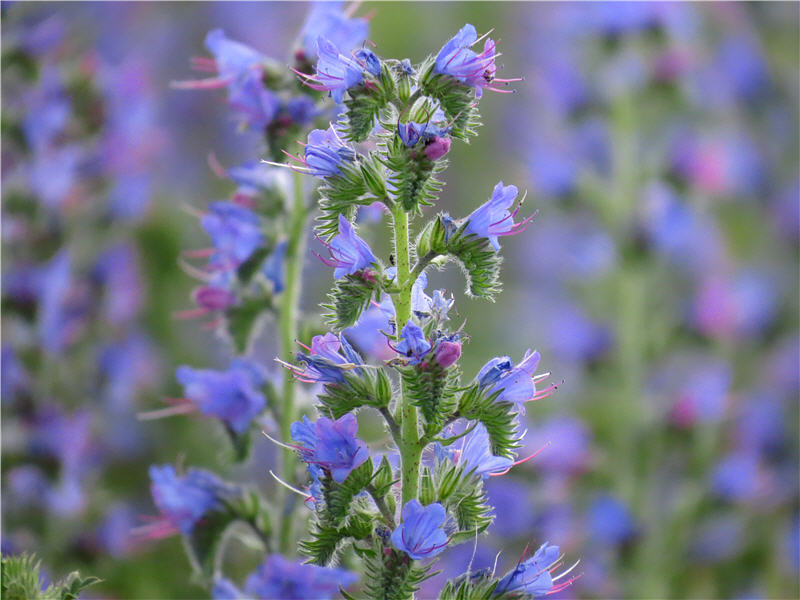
(409, 446)
(295, 254)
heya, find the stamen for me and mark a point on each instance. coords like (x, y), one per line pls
(170, 411)
(215, 166)
(287, 486)
(213, 83)
(281, 444)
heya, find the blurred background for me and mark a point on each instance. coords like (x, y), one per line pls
(658, 144)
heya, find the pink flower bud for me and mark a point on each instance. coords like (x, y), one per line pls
(447, 353)
(212, 298)
(437, 148)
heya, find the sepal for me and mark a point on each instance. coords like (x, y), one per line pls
(499, 418)
(474, 586)
(349, 297)
(340, 195)
(365, 102)
(463, 496)
(368, 387)
(326, 540)
(390, 574)
(480, 262)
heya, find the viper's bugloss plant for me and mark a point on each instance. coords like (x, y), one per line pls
(387, 515)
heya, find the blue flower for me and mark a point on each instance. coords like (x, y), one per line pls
(60, 314)
(235, 231)
(475, 454)
(273, 266)
(413, 344)
(324, 363)
(278, 577)
(184, 500)
(412, 132)
(336, 73)
(493, 219)
(325, 152)
(239, 67)
(349, 253)
(610, 521)
(457, 60)
(225, 589)
(531, 576)
(368, 60)
(231, 396)
(515, 384)
(331, 445)
(326, 19)
(420, 535)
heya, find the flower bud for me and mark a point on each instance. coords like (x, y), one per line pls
(214, 298)
(437, 148)
(448, 352)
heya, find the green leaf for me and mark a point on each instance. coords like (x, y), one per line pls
(246, 271)
(243, 321)
(19, 580)
(205, 543)
(349, 297)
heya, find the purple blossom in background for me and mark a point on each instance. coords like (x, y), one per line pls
(240, 69)
(413, 344)
(184, 499)
(61, 313)
(420, 535)
(738, 478)
(327, 19)
(278, 577)
(231, 396)
(235, 231)
(117, 269)
(610, 521)
(53, 174)
(331, 445)
(366, 333)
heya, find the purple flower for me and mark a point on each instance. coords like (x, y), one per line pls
(60, 313)
(532, 576)
(239, 67)
(413, 344)
(231, 396)
(435, 128)
(273, 266)
(235, 231)
(493, 219)
(118, 270)
(367, 334)
(610, 521)
(184, 500)
(325, 153)
(326, 19)
(331, 445)
(324, 363)
(738, 477)
(420, 535)
(474, 454)
(53, 173)
(336, 73)
(294, 580)
(349, 253)
(458, 60)
(515, 384)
